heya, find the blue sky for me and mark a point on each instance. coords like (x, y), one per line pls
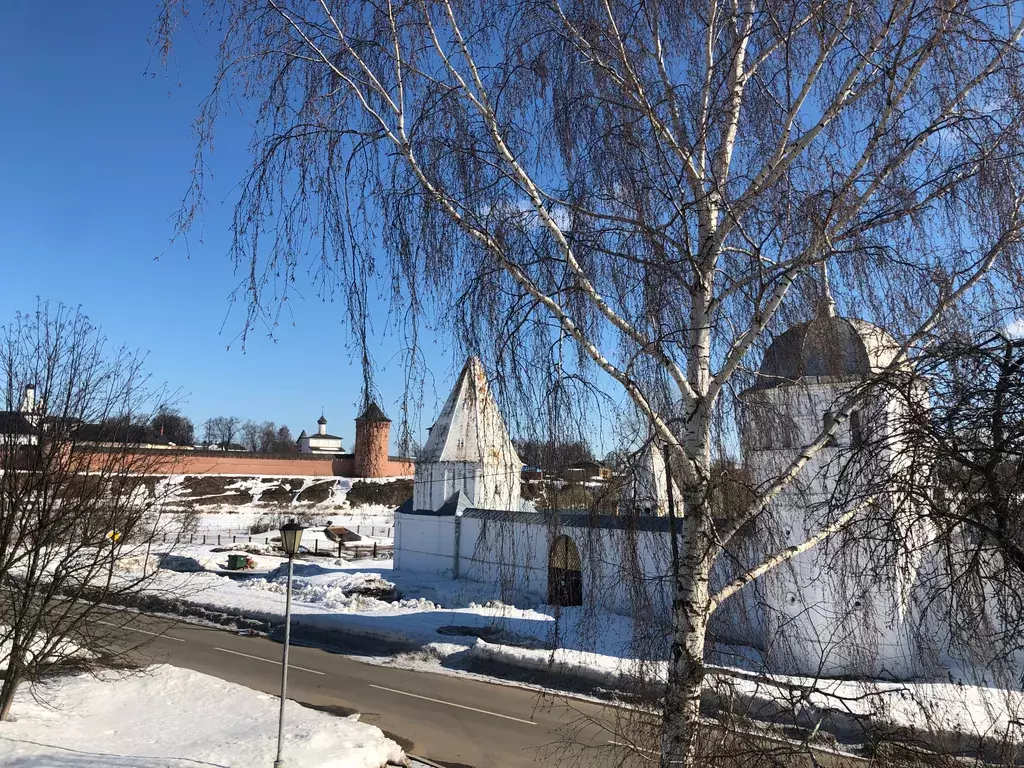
(97, 149)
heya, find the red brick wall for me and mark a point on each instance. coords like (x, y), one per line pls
(398, 468)
(218, 463)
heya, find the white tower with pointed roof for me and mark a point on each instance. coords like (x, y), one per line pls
(647, 492)
(469, 450)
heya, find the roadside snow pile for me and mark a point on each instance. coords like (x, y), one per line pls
(611, 671)
(339, 591)
(351, 581)
(47, 649)
(172, 718)
(180, 563)
(937, 708)
(956, 712)
(138, 564)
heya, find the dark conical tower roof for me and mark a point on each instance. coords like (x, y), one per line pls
(373, 413)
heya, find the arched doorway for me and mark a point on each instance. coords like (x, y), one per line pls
(565, 573)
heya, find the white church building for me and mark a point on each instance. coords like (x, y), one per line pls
(320, 441)
(466, 518)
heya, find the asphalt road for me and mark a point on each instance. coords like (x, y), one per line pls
(451, 720)
(455, 721)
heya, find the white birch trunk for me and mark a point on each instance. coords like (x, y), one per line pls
(681, 706)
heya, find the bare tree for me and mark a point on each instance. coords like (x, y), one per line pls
(259, 436)
(655, 187)
(222, 431)
(547, 455)
(76, 520)
(170, 423)
(970, 436)
(283, 440)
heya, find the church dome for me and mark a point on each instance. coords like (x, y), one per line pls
(826, 348)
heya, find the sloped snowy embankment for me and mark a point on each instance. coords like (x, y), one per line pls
(173, 718)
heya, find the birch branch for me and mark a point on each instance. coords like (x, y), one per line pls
(787, 554)
(809, 451)
(536, 200)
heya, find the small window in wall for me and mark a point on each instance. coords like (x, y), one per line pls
(857, 437)
(787, 432)
(829, 421)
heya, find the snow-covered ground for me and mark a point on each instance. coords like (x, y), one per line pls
(453, 622)
(166, 717)
(238, 522)
(203, 507)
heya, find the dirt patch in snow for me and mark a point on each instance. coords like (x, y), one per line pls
(393, 494)
(223, 490)
(318, 493)
(277, 495)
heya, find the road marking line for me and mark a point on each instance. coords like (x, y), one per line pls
(143, 631)
(452, 704)
(269, 661)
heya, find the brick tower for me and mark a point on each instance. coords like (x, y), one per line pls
(373, 430)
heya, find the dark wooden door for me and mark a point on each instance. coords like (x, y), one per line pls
(565, 573)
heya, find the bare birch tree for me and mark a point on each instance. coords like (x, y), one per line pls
(76, 517)
(655, 187)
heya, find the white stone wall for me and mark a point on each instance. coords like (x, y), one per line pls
(513, 556)
(489, 486)
(834, 610)
(424, 543)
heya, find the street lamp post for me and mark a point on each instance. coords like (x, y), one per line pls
(291, 535)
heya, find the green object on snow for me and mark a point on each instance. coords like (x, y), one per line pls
(237, 562)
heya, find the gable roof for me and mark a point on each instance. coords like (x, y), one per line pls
(373, 413)
(457, 504)
(15, 423)
(470, 428)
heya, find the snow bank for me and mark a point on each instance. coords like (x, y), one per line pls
(961, 714)
(173, 718)
(337, 591)
(610, 671)
(970, 711)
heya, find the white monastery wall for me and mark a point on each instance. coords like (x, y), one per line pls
(424, 543)
(841, 608)
(838, 608)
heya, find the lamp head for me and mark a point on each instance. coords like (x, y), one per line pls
(291, 537)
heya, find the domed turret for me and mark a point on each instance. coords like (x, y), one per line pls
(826, 348)
(799, 391)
